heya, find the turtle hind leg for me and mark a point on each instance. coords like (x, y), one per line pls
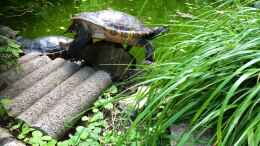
(149, 49)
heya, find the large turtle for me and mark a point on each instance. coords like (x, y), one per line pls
(112, 26)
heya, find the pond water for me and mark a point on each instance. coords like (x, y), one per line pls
(55, 19)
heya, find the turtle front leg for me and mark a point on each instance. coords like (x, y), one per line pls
(148, 50)
(81, 40)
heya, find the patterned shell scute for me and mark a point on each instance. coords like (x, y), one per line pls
(114, 20)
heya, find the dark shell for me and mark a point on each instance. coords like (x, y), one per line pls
(114, 21)
(48, 44)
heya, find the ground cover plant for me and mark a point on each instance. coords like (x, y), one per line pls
(208, 77)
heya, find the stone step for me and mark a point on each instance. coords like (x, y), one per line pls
(28, 57)
(65, 110)
(25, 67)
(48, 93)
(49, 100)
(29, 96)
(29, 80)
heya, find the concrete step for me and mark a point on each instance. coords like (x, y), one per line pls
(49, 100)
(26, 65)
(28, 57)
(30, 79)
(66, 109)
(29, 96)
(52, 93)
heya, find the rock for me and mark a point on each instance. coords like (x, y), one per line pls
(6, 139)
(178, 129)
(257, 4)
(107, 56)
(8, 32)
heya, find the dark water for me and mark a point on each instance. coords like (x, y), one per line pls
(54, 19)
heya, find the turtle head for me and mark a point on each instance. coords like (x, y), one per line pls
(73, 28)
(70, 29)
(162, 29)
(158, 31)
(8, 32)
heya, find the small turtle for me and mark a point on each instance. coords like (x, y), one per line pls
(44, 45)
(113, 26)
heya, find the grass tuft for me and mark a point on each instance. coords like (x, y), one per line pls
(208, 77)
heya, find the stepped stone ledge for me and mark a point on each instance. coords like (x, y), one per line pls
(48, 93)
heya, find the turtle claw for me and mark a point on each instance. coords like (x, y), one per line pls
(148, 62)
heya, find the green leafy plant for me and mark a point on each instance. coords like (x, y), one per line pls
(38, 139)
(32, 136)
(9, 53)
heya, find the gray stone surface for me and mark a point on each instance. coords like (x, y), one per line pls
(28, 57)
(6, 139)
(24, 69)
(257, 4)
(29, 96)
(4, 133)
(49, 95)
(53, 122)
(46, 102)
(26, 82)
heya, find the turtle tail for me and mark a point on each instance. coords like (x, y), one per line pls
(158, 31)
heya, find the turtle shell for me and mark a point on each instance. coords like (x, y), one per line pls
(113, 26)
